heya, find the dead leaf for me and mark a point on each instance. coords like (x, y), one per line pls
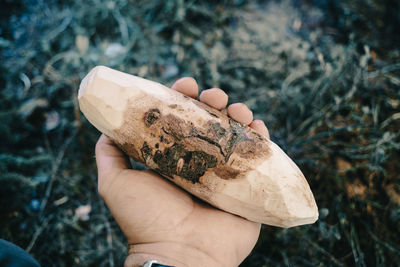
(356, 189)
(82, 212)
(342, 165)
(82, 43)
(393, 191)
(31, 105)
(52, 120)
(61, 201)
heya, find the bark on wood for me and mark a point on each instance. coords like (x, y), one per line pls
(199, 148)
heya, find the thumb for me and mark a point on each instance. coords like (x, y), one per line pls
(110, 159)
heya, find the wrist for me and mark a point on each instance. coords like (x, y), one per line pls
(169, 253)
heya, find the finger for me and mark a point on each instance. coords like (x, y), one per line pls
(240, 113)
(187, 86)
(215, 98)
(259, 127)
(110, 160)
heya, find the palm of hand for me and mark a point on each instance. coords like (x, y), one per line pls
(163, 221)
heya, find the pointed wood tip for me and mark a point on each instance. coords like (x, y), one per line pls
(298, 203)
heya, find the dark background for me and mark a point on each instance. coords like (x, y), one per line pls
(323, 75)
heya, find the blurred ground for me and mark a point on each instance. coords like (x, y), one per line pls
(323, 75)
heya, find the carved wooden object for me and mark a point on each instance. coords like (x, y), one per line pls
(198, 148)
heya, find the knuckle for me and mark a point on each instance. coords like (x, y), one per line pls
(98, 147)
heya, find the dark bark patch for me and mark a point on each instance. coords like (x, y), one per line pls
(176, 160)
(217, 130)
(178, 147)
(236, 136)
(151, 116)
(146, 151)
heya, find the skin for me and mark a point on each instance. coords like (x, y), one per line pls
(214, 97)
(240, 112)
(163, 222)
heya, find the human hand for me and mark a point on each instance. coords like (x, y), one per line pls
(163, 222)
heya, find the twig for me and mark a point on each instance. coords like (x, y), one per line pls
(108, 230)
(384, 70)
(37, 234)
(387, 245)
(324, 252)
(56, 166)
